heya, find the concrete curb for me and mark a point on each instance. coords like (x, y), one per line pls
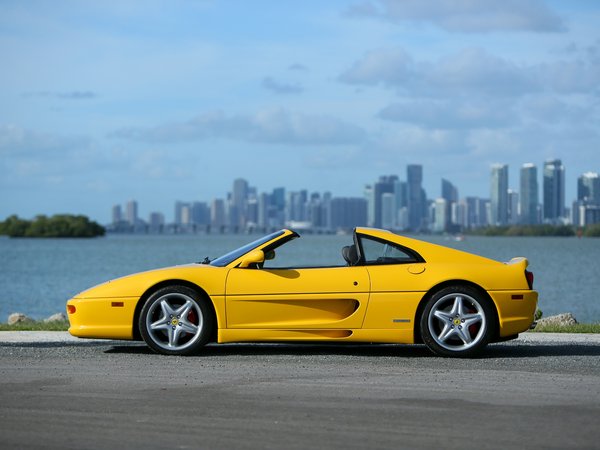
(32, 337)
(23, 337)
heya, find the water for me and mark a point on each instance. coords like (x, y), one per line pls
(37, 276)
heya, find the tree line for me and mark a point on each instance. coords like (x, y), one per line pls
(60, 225)
(538, 230)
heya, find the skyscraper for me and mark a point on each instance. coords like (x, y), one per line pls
(385, 185)
(131, 212)
(513, 207)
(237, 207)
(117, 215)
(179, 207)
(450, 195)
(554, 191)
(529, 200)
(499, 195)
(389, 212)
(370, 198)
(415, 194)
(217, 214)
(588, 188)
(441, 219)
(347, 213)
(586, 209)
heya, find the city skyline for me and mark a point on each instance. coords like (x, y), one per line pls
(391, 201)
(102, 101)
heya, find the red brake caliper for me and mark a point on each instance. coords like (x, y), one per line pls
(473, 329)
(193, 317)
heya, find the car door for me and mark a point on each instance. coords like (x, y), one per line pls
(396, 283)
(297, 298)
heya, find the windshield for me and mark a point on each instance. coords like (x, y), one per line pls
(222, 261)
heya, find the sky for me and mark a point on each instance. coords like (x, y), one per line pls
(158, 101)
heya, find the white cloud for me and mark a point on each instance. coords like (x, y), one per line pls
(392, 67)
(446, 114)
(574, 76)
(15, 140)
(465, 15)
(475, 70)
(280, 87)
(471, 70)
(271, 126)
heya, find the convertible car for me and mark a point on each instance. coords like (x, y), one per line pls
(387, 289)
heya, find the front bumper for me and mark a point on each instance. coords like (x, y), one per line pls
(102, 318)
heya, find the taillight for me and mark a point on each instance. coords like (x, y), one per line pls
(529, 276)
(71, 309)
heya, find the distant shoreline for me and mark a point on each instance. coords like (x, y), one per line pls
(58, 226)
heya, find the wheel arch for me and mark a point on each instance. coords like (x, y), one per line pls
(443, 285)
(166, 283)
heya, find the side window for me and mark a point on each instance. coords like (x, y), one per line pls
(382, 252)
(305, 253)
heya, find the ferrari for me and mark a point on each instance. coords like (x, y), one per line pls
(387, 288)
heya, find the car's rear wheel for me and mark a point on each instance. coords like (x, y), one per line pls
(175, 320)
(457, 321)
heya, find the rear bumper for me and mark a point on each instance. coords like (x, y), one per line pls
(516, 310)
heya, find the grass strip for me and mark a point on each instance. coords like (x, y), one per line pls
(36, 326)
(577, 328)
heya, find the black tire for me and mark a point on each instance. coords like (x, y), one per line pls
(458, 321)
(176, 320)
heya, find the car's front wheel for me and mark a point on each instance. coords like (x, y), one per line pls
(457, 321)
(175, 320)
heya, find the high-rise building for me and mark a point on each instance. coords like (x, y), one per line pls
(385, 185)
(314, 211)
(513, 207)
(450, 195)
(389, 212)
(238, 203)
(348, 213)
(296, 208)
(200, 213)
(588, 188)
(415, 196)
(475, 214)
(440, 221)
(499, 195)
(369, 194)
(179, 207)
(156, 222)
(131, 212)
(586, 209)
(554, 191)
(278, 203)
(217, 214)
(529, 199)
(117, 214)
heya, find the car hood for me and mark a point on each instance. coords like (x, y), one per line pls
(212, 280)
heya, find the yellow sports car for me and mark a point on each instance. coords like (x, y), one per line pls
(388, 288)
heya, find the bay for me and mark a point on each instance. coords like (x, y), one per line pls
(37, 276)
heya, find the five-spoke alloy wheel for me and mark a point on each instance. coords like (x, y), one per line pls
(175, 320)
(457, 321)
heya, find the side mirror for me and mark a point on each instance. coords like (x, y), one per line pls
(254, 257)
(270, 255)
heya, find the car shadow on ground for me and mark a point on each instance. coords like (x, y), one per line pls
(512, 350)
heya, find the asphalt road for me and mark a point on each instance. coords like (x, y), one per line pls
(530, 393)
